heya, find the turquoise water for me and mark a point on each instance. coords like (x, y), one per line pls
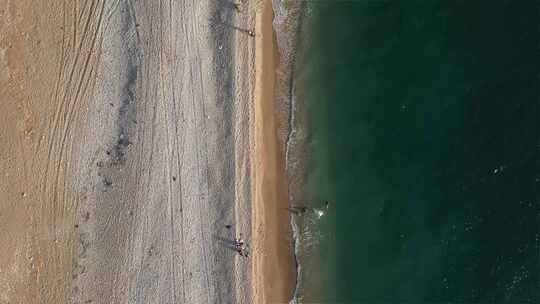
(425, 138)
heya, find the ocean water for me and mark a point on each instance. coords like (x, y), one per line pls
(424, 136)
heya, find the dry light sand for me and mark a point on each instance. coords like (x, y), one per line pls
(131, 133)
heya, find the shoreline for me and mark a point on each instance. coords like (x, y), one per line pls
(274, 271)
(292, 125)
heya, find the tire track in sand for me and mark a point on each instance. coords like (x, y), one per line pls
(76, 73)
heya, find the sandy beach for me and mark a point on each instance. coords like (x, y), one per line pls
(136, 141)
(272, 234)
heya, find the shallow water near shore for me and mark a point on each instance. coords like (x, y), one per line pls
(424, 136)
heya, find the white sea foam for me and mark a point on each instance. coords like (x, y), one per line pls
(288, 22)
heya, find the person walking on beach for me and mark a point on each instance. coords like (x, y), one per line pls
(243, 253)
(238, 242)
(240, 246)
(301, 209)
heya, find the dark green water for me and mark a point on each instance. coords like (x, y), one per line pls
(425, 136)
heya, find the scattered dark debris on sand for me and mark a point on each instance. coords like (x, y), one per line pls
(117, 153)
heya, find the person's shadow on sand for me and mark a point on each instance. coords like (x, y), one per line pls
(225, 242)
